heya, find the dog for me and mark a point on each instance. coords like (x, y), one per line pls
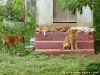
(66, 43)
(12, 40)
(49, 28)
(38, 28)
(70, 40)
(45, 29)
(84, 29)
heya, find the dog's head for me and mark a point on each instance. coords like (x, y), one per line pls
(21, 38)
(73, 31)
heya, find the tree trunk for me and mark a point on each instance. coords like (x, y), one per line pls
(25, 12)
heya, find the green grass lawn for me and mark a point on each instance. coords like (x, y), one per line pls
(40, 64)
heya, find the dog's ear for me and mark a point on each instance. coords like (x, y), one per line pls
(69, 30)
(37, 25)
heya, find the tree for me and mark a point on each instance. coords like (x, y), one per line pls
(14, 9)
(72, 5)
(25, 12)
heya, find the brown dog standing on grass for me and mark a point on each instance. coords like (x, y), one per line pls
(70, 40)
(12, 40)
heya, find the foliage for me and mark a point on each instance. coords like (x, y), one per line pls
(28, 31)
(72, 5)
(1, 11)
(15, 10)
(96, 19)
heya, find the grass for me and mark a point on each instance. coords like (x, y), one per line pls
(13, 65)
(40, 64)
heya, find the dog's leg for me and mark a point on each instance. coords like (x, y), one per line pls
(8, 45)
(4, 44)
(15, 46)
(66, 46)
(69, 46)
(76, 46)
(72, 45)
(63, 48)
(44, 32)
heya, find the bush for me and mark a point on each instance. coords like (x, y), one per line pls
(97, 25)
(28, 31)
(14, 9)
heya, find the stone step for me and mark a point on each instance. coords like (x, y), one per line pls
(32, 40)
(52, 43)
(32, 43)
(59, 44)
(60, 36)
(58, 51)
(30, 47)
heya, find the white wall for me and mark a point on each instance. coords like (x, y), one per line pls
(3, 2)
(86, 18)
(44, 12)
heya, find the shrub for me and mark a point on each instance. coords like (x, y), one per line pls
(14, 9)
(97, 25)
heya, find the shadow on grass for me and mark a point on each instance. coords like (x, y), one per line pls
(93, 69)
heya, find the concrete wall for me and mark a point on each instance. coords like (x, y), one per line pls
(33, 6)
(86, 18)
(44, 12)
(3, 2)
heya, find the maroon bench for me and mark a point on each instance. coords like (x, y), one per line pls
(53, 42)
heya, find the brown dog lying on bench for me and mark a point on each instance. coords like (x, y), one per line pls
(12, 40)
(70, 40)
(50, 28)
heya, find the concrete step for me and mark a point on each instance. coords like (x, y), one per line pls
(59, 44)
(58, 51)
(32, 40)
(52, 43)
(60, 36)
(30, 47)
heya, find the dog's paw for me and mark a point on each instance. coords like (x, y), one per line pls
(77, 48)
(61, 49)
